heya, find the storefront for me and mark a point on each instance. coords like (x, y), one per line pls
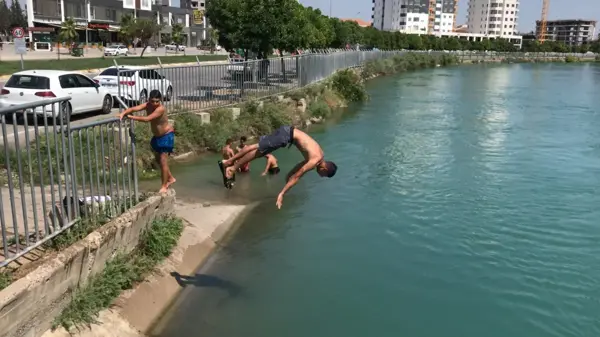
(42, 37)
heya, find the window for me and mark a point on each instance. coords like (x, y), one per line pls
(28, 82)
(84, 81)
(67, 81)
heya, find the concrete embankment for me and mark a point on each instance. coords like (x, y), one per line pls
(29, 305)
(136, 311)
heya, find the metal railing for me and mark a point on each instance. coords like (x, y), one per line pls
(198, 87)
(57, 175)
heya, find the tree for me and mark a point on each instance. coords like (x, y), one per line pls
(177, 35)
(144, 30)
(126, 31)
(252, 25)
(5, 18)
(17, 17)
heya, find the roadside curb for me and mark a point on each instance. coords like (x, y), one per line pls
(168, 65)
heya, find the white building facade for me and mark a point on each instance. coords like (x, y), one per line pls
(415, 16)
(493, 17)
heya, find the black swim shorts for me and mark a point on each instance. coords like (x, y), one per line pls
(282, 137)
(274, 170)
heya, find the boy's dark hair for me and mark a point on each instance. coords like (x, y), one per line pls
(331, 169)
(154, 94)
(243, 139)
(229, 141)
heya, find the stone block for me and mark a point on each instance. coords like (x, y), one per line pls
(302, 105)
(204, 117)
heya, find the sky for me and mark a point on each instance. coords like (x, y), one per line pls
(530, 10)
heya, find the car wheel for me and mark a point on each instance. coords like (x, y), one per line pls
(169, 94)
(143, 97)
(65, 115)
(107, 104)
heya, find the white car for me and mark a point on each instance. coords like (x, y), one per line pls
(133, 83)
(173, 47)
(116, 50)
(37, 85)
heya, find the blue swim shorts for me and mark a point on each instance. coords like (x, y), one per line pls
(164, 143)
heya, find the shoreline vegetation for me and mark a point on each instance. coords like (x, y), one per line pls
(122, 272)
(301, 107)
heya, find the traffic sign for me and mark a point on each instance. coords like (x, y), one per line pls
(18, 32)
(20, 46)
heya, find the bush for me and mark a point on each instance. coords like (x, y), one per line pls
(571, 59)
(349, 85)
(319, 108)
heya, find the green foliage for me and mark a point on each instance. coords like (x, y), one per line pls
(177, 34)
(349, 85)
(319, 108)
(138, 28)
(121, 273)
(68, 31)
(571, 59)
(17, 15)
(5, 18)
(5, 279)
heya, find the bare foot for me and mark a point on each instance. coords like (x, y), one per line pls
(163, 189)
(229, 172)
(171, 182)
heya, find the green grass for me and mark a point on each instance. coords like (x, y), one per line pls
(10, 67)
(121, 273)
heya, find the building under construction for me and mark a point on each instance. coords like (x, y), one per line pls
(570, 32)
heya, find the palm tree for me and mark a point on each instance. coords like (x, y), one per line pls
(214, 40)
(177, 36)
(126, 31)
(68, 33)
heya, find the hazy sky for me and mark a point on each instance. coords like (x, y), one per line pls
(530, 10)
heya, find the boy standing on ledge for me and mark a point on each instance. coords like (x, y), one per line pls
(164, 135)
(282, 137)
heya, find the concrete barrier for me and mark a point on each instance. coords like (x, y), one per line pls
(29, 305)
(204, 117)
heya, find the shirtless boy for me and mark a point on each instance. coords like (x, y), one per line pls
(164, 135)
(272, 167)
(245, 168)
(227, 150)
(284, 136)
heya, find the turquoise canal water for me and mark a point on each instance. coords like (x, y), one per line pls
(466, 205)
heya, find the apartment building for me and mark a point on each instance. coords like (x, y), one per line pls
(570, 32)
(415, 16)
(493, 17)
(98, 20)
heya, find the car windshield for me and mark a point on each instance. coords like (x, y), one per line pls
(114, 72)
(28, 82)
(113, 46)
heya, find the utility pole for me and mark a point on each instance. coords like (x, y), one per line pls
(330, 10)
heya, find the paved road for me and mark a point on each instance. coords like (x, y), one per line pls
(8, 53)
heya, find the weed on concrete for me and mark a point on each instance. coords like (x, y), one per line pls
(5, 279)
(121, 273)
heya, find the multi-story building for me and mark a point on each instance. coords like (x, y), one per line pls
(570, 32)
(493, 17)
(99, 20)
(415, 16)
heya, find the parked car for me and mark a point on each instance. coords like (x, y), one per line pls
(116, 50)
(173, 47)
(133, 84)
(37, 85)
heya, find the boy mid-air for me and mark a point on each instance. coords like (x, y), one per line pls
(284, 136)
(164, 135)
